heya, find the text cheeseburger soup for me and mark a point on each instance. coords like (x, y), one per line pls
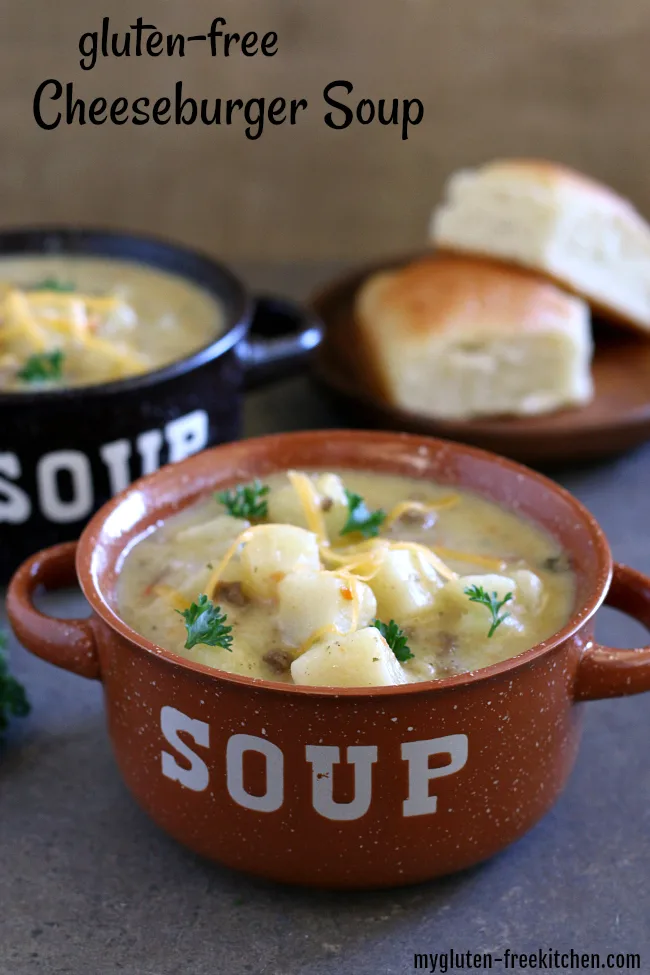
(346, 580)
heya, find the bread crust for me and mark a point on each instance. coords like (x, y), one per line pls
(445, 293)
(568, 183)
(439, 306)
(552, 174)
(598, 309)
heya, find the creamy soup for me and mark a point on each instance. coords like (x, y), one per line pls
(346, 580)
(75, 321)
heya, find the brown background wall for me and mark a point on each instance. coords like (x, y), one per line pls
(568, 79)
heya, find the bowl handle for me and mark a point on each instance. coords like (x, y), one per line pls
(281, 337)
(67, 643)
(606, 671)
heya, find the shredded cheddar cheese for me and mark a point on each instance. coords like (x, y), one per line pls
(346, 556)
(369, 555)
(171, 595)
(428, 556)
(368, 564)
(19, 321)
(310, 501)
(130, 361)
(329, 628)
(216, 574)
(40, 319)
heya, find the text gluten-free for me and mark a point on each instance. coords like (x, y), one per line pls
(62, 103)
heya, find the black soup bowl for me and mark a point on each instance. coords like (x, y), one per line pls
(65, 452)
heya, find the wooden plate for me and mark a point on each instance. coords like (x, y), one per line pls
(617, 419)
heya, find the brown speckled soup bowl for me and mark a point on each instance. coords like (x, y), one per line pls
(339, 787)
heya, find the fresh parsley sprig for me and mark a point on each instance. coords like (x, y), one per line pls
(360, 518)
(13, 699)
(477, 594)
(396, 639)
(206, 624)
(246, 500)
(52, 284)
(42, 367)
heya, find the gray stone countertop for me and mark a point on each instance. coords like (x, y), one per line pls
(89, 886)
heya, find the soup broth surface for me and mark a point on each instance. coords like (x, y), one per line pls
(303, 609)
(74, 321)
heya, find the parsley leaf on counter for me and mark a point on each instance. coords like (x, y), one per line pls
(42, 367)
(245, 501)
(360, 519)
(396, 639)
(477, 594)
(13, 700)
(205, 624)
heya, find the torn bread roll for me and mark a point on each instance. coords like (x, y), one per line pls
(555, 221)
(458, 338)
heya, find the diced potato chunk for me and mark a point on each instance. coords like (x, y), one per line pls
(331, 486)
(360, 659)
(404, 585)
(309, 601)
(285, 508)
(271, 553)
(529, 589)
(474, 619)
(491, 582)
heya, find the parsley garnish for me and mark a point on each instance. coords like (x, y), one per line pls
(360, 519)
(245, 501)
(477, 594)
(396, 639)
(13, 700)
(42, 367)
(205, 623)
(51, 284)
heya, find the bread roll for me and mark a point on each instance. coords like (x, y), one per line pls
(546, 217)
(458, 338)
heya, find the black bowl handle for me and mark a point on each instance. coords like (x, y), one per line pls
(282, 335)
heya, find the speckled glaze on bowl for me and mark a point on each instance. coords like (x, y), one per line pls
(339, 787)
